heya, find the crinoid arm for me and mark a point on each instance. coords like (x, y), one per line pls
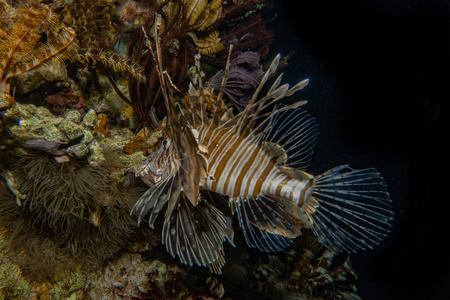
(196, 234)
(21, 45)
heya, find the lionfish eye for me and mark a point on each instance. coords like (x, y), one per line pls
(164, 143)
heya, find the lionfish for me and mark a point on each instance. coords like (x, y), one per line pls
(258, 160)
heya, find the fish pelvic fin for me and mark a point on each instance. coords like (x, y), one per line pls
(196, 234)
(349, 209)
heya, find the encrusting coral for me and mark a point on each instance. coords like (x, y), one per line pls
(131, 277)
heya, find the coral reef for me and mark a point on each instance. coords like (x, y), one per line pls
(60, 103)
(130, 277)
(12, 284)
(95, 23)
(24, 245)
(187, 27)
(307, 271)
(72, 145)
(73, 134)
(38, 128)
(35, 78)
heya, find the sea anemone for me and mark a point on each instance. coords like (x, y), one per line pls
(25, 245)
(78, 204)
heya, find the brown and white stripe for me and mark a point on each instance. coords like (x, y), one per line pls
(240, 168)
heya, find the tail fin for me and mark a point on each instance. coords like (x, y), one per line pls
(350, 209)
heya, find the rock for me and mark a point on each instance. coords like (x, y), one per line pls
(78, 150)
(71, 129)
(44, 145)
(45, 73)
(73, 116)
(89, 119)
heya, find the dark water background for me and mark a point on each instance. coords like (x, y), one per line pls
(379, 79)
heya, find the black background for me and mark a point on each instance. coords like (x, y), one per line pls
(379, 79)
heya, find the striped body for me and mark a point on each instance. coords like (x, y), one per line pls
(241, 169)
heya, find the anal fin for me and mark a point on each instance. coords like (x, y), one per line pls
(269, 222)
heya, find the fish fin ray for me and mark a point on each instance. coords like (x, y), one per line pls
(351, 208)
(245, 121)
(271, 214)
(154, 199)
(258, 237)
(195, 233)
(295, 173)
(295, 131)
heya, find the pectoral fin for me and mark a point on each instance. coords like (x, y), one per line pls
(196, 234)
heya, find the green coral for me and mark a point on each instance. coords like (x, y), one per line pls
(12, 284)
(68, 282)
